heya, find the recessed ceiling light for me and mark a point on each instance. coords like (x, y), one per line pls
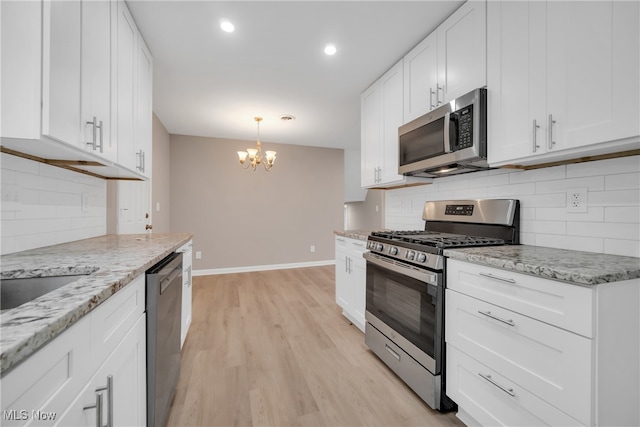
(330, 49)
(227, 26)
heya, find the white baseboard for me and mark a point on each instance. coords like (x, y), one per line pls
(261, 268)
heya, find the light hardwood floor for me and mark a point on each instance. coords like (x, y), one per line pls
(272, 349)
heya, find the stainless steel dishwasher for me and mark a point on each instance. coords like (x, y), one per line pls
(164, 306)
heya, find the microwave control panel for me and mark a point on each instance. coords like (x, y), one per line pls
(465, 127)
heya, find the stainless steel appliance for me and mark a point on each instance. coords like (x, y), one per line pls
(164, 307)
(451, 139)
(405, 287)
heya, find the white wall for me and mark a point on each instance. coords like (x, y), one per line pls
(611, 224)
(41, 205)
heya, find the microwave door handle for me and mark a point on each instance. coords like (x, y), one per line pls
(447, 139)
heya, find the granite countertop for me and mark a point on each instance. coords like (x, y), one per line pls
(110, 262)
(583, 268)
(353, 234)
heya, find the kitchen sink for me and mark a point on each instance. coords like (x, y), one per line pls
(15, 292)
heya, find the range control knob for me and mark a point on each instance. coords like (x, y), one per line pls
(411, 255)
(422, 257)
(393, 250)
(379, 247)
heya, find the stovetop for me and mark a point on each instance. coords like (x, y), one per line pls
(435, 239)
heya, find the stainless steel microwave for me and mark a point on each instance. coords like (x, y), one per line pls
(449, 140)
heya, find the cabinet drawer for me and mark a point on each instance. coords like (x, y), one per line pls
(561, 304)
(115, 317)
(549, 362)
(49, 379)
(493, 400)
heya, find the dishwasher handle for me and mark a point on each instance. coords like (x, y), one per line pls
(166, 282)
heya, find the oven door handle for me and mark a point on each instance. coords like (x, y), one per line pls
(398, 267)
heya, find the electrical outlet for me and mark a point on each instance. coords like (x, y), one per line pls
(577, 200)
(198, 255)
(312, 248)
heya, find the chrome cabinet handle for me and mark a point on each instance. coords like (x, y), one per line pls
(509, 391)
(391, 351)
(140, 156)
(493, 316)
(96, 126)
(94, 142)
(109, 389)
(550, 142)
(440, 88)
(502, 279)
(536, 126)
(431, 93)
(101, 136)
(98, 406)
(144, 162)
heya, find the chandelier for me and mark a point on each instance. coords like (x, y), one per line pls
(255, 154)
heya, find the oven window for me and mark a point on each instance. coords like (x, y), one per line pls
(422, 143)
(405, 305)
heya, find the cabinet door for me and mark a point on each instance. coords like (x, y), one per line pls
(342, 276)
(126, 403)
(144, 108)
(516, 77)
(391, 88)
(96, 78)
(547, 361)
(462, 51)
(47, 382)
(370, 135)
(61, 48)
(493, 400)
(592, 68)
(125, 82)
(186, 291)
(421, 78)
(358, 280)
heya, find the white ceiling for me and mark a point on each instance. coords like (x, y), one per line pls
(211, 83)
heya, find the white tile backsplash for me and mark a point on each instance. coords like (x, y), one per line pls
(610, 225)
(41, 205)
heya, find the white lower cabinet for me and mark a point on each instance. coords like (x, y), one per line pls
(351, 279)
(60, 382)
(119, 386)
(187, 290)
(525, 351)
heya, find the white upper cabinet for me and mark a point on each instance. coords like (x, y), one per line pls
(381, 109)
(421, 78)
(450, 62)
(69, 85)
(562, 79)
(96, 78)
(462, 51)
(144, 108)
(124, 78)
(133, 81)
(61, 80)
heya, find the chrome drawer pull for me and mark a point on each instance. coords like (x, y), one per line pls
(502, 279)
(488, 314)
(509, 391)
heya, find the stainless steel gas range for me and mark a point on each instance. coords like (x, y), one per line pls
(405, 287)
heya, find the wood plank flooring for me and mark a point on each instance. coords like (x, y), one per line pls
(273, 349)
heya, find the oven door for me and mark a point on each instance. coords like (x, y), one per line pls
(405, 303)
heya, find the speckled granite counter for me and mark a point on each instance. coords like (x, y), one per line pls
(584, 268)
(353, 234)
(111, 262)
